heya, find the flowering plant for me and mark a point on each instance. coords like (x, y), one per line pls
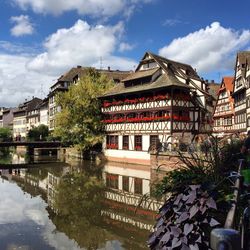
(112, 146)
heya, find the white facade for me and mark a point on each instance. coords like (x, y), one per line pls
(44, 115)
(19, 126)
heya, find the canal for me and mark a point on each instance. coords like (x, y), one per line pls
(73, 204)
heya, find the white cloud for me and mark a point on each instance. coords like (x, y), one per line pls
(98, 8)
(125, 47)
(22, 27)
(208, 49)
(18, 83)
(80, 45)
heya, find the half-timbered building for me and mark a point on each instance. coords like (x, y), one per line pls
(241, 91)
(161, 101)
(223, 116)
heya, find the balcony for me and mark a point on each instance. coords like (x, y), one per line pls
(160, 101)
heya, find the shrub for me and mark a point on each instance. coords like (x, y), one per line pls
(38, 133)
(185, 221)
(5, 134)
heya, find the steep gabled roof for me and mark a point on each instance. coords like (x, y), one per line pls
(227, 84)
(163, 81)
(170, 70)
(243, 57)
(176, 66)
(213, 89)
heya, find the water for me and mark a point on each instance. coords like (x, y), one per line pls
(75, 205)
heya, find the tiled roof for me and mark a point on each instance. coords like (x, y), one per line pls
(168, 77)
(162, 81)
(213, 89)
(175, 65)
(243, 58)
(141, 74)
(69, 76)
(229, 83)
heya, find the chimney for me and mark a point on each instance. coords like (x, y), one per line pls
(108, 68)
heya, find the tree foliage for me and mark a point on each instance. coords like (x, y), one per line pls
(78, 202)
(5, 134)
(79, 121)
(38, 133)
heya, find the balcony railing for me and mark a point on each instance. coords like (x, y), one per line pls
(147, 119)
(145, 103)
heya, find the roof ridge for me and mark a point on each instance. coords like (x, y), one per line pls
(170, 60)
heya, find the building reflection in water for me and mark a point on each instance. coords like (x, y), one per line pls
(112, 201)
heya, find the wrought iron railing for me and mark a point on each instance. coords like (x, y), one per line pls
(229, 237)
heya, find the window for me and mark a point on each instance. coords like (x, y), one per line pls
(154, 141)
(138, 142)
(138, 185)
(112, 181)
(125, 183)
(125, 142)
(112, 142)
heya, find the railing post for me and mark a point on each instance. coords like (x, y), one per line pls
(238, 185)
(225, 239)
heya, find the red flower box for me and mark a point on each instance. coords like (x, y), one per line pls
(138, 148)
(106, 104)
(112, 146)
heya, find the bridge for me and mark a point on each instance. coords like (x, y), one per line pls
(32, 145)
(35, 144)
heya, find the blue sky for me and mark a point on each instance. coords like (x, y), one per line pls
(41, 39)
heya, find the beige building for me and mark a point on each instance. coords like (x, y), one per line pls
(19, 124)
(25, 117)
(33, 113)
(71, 77)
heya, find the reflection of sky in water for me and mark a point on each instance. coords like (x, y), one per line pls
(24, 223)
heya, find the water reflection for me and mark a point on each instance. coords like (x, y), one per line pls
(79, 206)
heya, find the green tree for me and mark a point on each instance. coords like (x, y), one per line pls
(38, 133)
(79, 121)
(5, 134)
